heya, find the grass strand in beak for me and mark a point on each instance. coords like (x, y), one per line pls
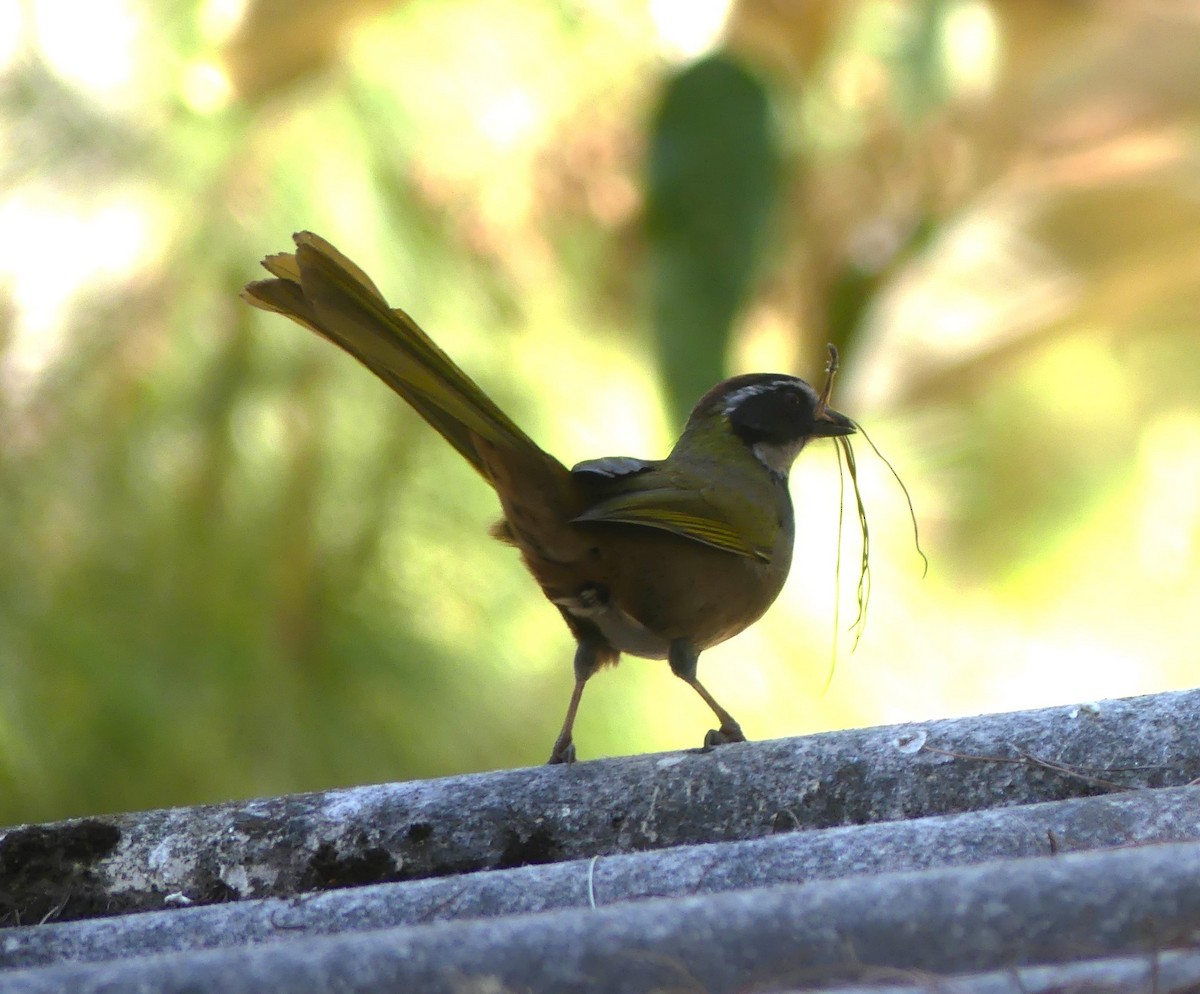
(863, 591)
(907, 498)
(837, 573)
(831, 368)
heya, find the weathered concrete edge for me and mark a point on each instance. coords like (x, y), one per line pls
(994, 916)
(1134, 818)
(364, 835)
(1172, 972)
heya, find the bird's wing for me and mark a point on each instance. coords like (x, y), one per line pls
(682, 512)
(612, 467)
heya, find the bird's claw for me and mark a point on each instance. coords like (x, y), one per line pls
(731, 732)
(562, 753)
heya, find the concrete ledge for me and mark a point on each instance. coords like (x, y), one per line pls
(1041, 849)
(995, 916)
(284, 846)
(1126, 819)
(1152, 973)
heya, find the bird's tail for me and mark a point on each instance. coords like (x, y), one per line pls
(320, 288)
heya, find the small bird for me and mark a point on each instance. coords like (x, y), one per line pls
(659, 558)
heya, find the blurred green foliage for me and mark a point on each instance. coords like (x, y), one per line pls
(233, 564)
(710, 195)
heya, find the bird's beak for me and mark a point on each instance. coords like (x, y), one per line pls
(829, 423)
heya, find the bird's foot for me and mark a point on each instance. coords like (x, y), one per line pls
(563, 752)
(729, 732)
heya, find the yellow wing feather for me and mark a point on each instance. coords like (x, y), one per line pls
(683, 513)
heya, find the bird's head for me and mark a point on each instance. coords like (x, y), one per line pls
(772, 414)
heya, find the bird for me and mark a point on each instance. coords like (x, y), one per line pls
(654, 558)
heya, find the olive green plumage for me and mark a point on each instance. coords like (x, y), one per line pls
(655, 558)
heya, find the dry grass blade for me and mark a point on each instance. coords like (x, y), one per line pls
(907, 499)
(863, 591)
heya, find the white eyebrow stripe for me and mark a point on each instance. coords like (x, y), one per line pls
(754, 389)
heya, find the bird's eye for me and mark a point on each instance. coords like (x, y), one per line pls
(792, 399)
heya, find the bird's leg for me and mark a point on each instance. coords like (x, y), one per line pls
(587, 661)
(683, 658)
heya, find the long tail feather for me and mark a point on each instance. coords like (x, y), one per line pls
(320, 288)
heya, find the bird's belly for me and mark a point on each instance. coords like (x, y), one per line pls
(622, 631)
(706, 595)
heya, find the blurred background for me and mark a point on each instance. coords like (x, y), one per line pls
(233, 564)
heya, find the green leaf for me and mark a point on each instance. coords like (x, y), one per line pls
(712, 181)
